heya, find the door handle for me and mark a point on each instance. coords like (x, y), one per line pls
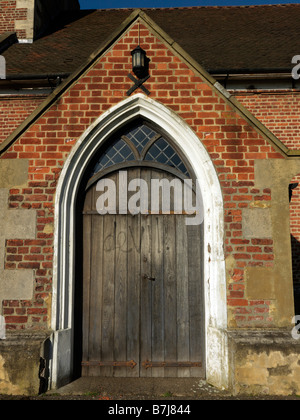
(149, 278)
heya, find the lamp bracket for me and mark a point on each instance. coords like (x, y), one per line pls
(138, 83)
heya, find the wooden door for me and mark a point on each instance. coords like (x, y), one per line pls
(142, 292)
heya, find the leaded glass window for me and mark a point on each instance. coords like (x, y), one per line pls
(117, 153)
(162, 152)
(140, 136)
(141, 145)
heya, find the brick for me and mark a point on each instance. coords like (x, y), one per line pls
(29, 265)
(238, 302)
(242, 256)
(16, 319)
(36, 311)
(230, 141)
(264, 257)
(14, 242)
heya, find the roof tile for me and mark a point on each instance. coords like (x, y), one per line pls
(244, 38)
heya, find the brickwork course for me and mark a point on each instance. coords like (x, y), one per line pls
(231, 143)
(239, 134)
(10, 13)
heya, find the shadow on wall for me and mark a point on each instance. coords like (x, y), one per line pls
(296, 272)
(294, 198)
(44, 372)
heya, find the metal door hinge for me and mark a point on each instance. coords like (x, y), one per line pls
(147, 364)
(132, 364)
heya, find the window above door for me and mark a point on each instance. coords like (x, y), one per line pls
(139, 145)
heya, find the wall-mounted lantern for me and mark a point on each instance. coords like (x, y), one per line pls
(140, 62)
(140, 67)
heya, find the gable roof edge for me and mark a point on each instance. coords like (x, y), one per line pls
(240, 109)
(181, 53)
(60, 90)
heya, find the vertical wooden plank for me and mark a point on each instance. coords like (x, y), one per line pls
(133, 287)
(108, 300)
(96, 292)
(120, 289)
(146, 283)
(195, 297)
(170, 293)
(158, 313)
(157, 294)
(121, 274)
(202, 371)
(86, 281)
(183, 319)
(108, 306)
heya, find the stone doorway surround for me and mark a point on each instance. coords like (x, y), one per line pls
(217, 369)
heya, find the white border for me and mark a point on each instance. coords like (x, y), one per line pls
(65, 235)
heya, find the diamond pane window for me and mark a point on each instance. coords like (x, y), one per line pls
(140, 143)
(140, 136)
(117, 153)
(163, 153)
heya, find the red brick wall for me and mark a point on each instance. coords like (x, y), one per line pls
(9, 13)
(14, 111)
(231, 142)
(279, 111)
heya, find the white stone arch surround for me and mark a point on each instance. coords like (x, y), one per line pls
(64, 240)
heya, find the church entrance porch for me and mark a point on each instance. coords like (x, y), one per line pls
(186, 144)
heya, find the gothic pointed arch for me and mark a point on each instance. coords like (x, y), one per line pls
(139, 145)
(188, 145)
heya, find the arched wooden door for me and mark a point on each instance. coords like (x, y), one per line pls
(142, 287)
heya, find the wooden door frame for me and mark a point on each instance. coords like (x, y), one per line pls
(138, 106)
(139, 326)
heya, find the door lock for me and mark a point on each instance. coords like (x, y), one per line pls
(149, 278)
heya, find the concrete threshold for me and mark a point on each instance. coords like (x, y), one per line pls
(148, 388)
